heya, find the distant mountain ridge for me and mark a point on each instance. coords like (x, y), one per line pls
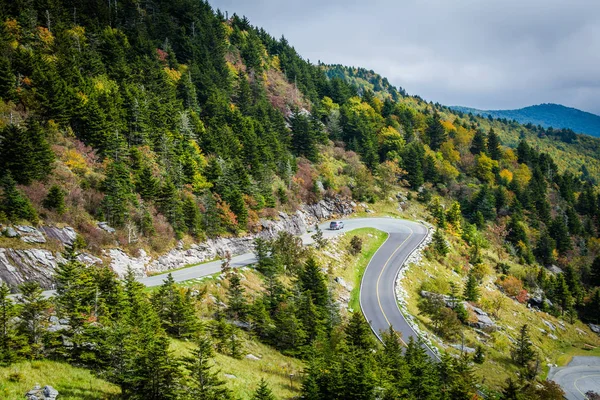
(546, 115)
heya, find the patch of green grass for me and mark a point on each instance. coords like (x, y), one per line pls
(273, 366)
(373, 239)
(72, 383)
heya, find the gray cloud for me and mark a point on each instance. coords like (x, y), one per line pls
(479, 53)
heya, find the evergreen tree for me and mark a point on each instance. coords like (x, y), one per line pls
(559, 232)
(263, 392)
(25, 152)
(393, 365)
(309, 316)
(358, 333)
(493, 145)
(413, 164)
(435, 132)
(146, 184)
(512, 391)
(595, 272)
(471, 292)
(424, 381)
(237, 306)
(479, 143)
(304, 135)
(479, 356)
(13, 204)
(8, 336)
(522, 351)
(55, 200)
(439, 243)
(289, 333)
(311, 279)
(118, 194)
(33, 310)
(545, 248)
(175, 309)
(318, 238)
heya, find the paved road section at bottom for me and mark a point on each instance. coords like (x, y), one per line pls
(580, 376)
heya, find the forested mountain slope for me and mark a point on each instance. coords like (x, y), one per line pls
(169, 121)
(546, 115)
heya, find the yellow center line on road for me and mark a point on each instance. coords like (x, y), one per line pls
(379, 278)
(582, 377)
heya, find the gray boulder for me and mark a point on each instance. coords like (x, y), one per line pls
(105, 227)
(29, 234)
(595, 328)
(66, 235)
(38, 393)
(463, 348)
(10, 232)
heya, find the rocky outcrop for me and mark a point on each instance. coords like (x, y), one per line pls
(297, 224)
(17, 266)
(66, 235)
(29, 234)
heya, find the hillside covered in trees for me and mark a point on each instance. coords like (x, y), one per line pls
(171, 122)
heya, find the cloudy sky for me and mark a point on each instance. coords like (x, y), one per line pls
(488, 54)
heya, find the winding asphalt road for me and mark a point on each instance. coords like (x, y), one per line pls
(377, 291)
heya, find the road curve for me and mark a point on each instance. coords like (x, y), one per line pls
(377, 293)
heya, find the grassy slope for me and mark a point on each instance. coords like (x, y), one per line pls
(72, 383)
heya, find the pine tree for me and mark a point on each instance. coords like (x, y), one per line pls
(545, 248)
(13, 203)
(311, 279)
(479, 356)
(76, 293)
(391, 360)
(479, 145)
(289, 334)
(147, 185)
(559, 232)
(595, 272)
(118, 194)
(522, 351)
(33, 310)
(439, 243)
(8, 81)
(493, 145)
(413, 164)
(309, 317)
(237, 305)
(175, 309)
(424, 380)
(8, 339)
(512, 391)
(55, 200)
(263, 392)
(25, 152)
(358, 333)
(435, 132)
(471, 292)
